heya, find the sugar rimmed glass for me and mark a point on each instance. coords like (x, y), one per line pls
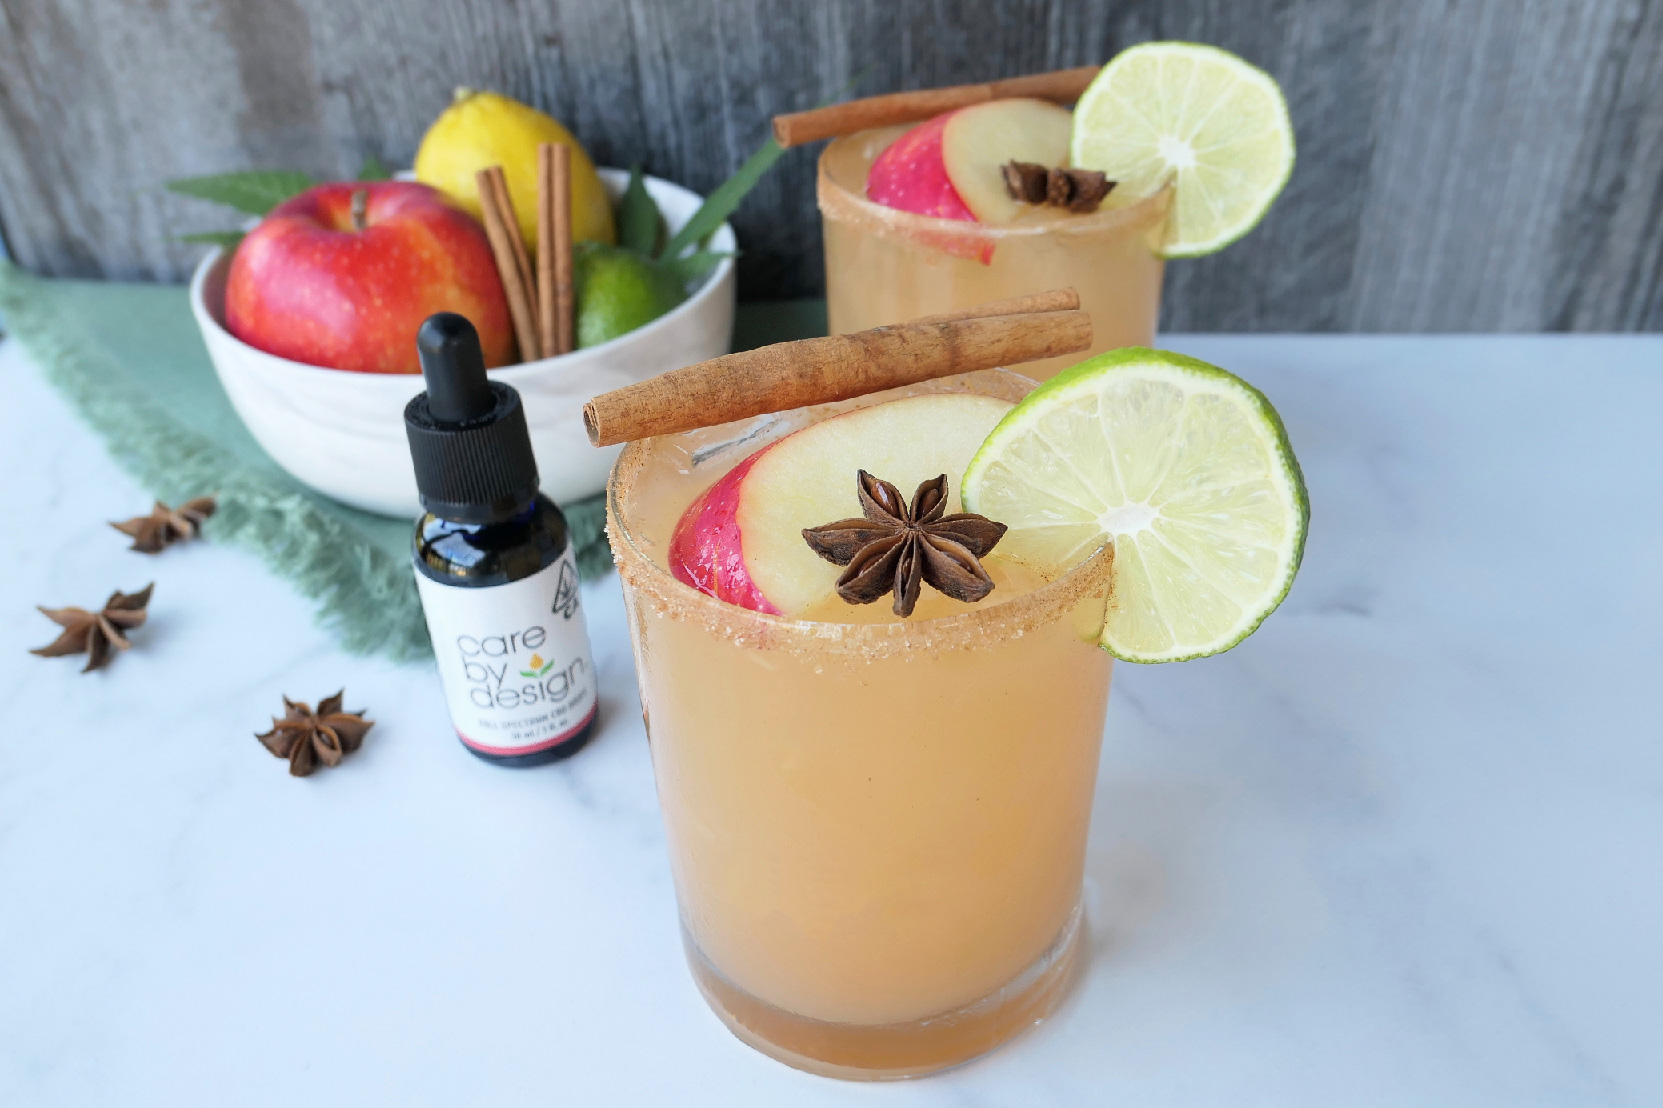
(877, 831)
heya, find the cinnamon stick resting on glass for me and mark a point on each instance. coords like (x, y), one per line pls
(819, 371)
(1063, 86)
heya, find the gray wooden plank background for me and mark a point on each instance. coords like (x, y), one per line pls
(1464, 165)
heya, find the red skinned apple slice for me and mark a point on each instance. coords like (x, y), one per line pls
(910, 175)
(706, 550)
(978, 141)
(742, 541)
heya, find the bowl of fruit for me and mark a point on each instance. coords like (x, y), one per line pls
(310, 315)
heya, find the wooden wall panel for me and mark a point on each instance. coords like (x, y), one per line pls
(1465, 165)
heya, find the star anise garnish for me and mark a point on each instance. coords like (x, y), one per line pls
(306, 737)
(165, 526)
(1078, 190)
(895, 546)
(98, 634)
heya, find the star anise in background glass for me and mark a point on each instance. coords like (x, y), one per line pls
(306, 737)
(165, 526)
(1078, 190)
(98, 634)
(895, 546)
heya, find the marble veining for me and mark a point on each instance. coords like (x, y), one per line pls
(1405, 846)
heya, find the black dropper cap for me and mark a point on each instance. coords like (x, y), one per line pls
(467, 433)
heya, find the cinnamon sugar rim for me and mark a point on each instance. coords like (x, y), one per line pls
(979, 627)
(1103, 219)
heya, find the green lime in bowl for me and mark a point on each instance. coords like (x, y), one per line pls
(617, 291)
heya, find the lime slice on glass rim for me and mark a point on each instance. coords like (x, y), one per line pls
(1185, 467)
(1201, 115)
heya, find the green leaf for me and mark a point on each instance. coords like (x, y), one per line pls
(255, 191)
(227, 239)
(695, 267)
(638, 218)
(722, 202)
(373, 170)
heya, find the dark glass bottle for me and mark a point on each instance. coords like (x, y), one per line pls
(494, 564)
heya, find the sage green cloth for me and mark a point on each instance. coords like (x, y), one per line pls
(130, 359)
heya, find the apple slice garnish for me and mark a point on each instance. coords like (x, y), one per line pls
(911, 176)
(976, 142)
(707, 550)
(742, 540)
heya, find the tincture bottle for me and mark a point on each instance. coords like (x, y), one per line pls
(494, 563)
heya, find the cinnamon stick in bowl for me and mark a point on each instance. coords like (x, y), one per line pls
(555, 295)
(1063, 86)
(819, 371)
(519, 283)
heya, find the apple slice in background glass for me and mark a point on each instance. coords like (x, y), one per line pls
(950, 167)
(741, 540)
(978, 141)
(911, 176)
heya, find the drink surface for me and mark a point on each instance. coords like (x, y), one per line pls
(886, 266)
(865, 830)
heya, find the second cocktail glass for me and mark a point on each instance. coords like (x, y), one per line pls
(885, 266)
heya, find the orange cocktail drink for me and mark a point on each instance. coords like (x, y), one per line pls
(876, 826)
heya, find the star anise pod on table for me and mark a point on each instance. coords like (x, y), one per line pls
(1078, 190)
(165, 526)
(307, 738)
(896, 546)
(98, 634)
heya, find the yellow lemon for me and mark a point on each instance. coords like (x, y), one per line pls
(482, 129)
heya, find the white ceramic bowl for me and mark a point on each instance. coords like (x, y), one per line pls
(343, 433)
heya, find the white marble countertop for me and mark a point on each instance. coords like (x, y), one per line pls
(1403, 847)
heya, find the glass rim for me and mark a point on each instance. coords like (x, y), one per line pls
(979, 625)
(1104, 219)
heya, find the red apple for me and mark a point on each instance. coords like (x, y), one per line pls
(315, 283)
(742, 540)
(978, 141)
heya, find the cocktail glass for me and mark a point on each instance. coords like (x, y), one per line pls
(876, 828)
(886, 266)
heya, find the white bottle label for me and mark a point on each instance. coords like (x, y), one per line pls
(514, 659)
